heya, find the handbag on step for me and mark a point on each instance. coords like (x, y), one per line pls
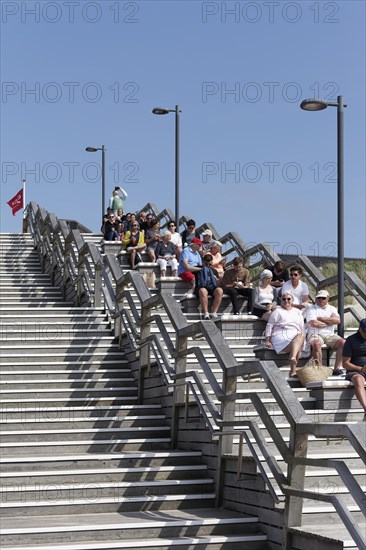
(313, 371)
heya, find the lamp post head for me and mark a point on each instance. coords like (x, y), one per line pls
(313, 104)
(160, 111)
(91, 149)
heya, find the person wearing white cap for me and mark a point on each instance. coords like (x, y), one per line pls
(263, 299)
(322, 318)
(207, 241)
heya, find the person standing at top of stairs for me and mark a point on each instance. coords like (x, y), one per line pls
(118, 199)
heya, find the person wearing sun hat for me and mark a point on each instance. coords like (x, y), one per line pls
(354, 361)
(190, 263)
(322, 318)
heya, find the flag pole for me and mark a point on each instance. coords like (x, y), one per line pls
(24, 201)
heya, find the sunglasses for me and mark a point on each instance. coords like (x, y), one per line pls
(286, 299)
(321, 298)
(295, 275)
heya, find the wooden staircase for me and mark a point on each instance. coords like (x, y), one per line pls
(321, 526)
(85, 466)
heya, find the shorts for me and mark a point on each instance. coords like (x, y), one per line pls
(258, 312)
(329, 340)
(187, 276)
(349, 374)
(210, 291)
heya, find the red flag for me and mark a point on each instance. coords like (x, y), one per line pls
(16, 203)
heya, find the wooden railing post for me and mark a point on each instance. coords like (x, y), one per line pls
(41, 217)
(228, 406)
(144, 334)
(97, 285)
(180, 368)
(228, 412)
(120, 298)
(67, 275)
(179, 392)
(81, 274)
(144, 358)
(296, 478)
(49, 237)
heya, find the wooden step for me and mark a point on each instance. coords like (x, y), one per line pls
(139, 526)
(65, 365)
(63, 446)
(114, 503)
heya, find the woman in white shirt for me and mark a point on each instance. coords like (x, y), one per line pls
(176, 239)
(264, 302)
(285, 330)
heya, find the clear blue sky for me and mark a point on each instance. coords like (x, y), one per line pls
(80, 73)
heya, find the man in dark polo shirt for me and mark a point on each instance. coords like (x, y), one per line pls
(354, 361)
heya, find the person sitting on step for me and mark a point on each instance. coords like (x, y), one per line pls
(190, 233)
(133, 243)
(207, 241)
(147, 219)
(321, 320)
(298, 289)
(152, 239)
(354, 361)
(141, 218)
(218, 261)
(176, 239)
(165, 254)
(111, 228)
(285, 330)
(190, 263)
(235, 282)
(279, 276)
(264, 302)
(207, 285)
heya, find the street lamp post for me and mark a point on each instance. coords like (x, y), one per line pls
(163, 111)
(94, 150)
(319, 105)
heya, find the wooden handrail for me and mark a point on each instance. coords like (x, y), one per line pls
(78, 254)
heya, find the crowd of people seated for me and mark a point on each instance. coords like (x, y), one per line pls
(281, 297)
(288, 331)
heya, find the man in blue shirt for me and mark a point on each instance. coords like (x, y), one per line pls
(190, 263)
(354, 361)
